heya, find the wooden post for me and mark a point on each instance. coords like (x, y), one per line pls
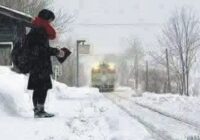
(136, 72)
(168, 73)
(147, 77)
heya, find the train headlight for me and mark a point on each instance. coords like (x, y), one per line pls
(96, 67)
(111, 66)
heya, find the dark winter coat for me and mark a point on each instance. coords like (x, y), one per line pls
(40, 59)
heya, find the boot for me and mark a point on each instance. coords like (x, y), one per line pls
(39, 112)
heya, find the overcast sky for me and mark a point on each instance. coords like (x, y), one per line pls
(106, 24)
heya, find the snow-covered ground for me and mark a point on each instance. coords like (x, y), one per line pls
(85, 114)
(169, 116)
(81, 114)
(180, 107)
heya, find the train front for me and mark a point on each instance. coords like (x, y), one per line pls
(104, 76)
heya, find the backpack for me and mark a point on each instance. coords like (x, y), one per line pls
(20, 57)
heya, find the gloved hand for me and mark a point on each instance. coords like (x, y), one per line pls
(60, 56)
(61, 53)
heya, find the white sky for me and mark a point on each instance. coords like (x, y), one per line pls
(106, 24)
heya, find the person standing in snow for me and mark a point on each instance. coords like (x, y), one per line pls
(39, 60)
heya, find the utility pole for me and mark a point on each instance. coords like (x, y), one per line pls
(77, 62)
(136, 72)
(168, 74)
(147, 76)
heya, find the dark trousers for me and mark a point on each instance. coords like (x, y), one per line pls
(39, 96)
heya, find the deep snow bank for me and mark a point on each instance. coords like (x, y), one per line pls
(15, 99)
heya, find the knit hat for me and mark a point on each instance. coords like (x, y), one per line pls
(46, 14)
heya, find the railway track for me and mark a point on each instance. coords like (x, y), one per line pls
(138, 111)
(193, 124)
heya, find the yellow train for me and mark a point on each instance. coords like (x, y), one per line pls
(104, 76)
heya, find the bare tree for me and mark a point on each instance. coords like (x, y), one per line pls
(27, 6)
(32, 7)
(182, 38)
(63, 21)
(134, 55)
(122, 72)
